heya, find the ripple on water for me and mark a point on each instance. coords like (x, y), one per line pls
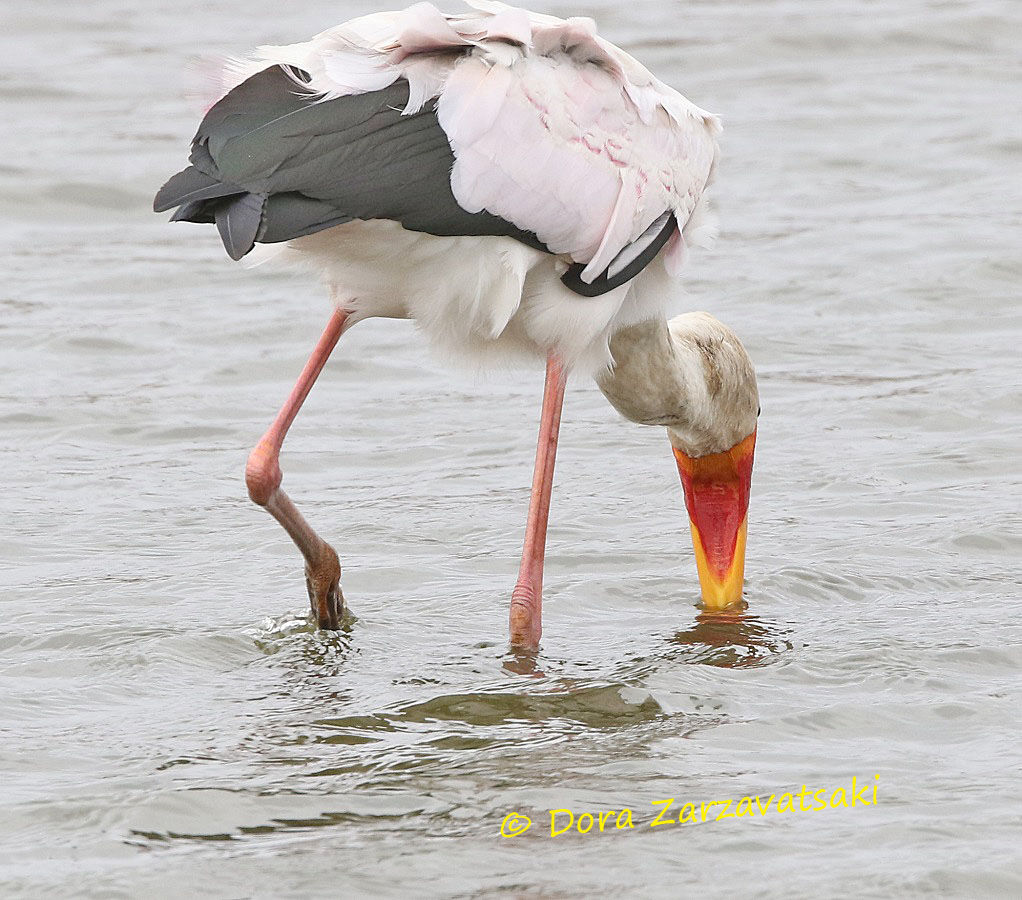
(209, 814)
(871, 267)
(594, 706)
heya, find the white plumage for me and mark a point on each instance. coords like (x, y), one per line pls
(554, 129)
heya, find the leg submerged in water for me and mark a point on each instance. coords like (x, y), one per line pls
(263, 477)
(526, 618)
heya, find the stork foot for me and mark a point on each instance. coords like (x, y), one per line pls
(526, 619)
(323, 580)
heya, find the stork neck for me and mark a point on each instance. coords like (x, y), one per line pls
(648, 383)
(691, 375)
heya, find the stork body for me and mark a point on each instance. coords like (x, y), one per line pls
(521, 188)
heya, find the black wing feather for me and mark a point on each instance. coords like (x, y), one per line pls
(238, 220)
(270, 162)
(605, 281)
(191, 186)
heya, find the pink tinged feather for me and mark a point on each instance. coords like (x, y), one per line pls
(619, 228)
(558, 145)
(577, 38)
(643, 99)
(501, 53)
(554, 189)
(566, 201)
(472, 99)
(510, 24)
(674, 254)
(422, 29)
(474, 182)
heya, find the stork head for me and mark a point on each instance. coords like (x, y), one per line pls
(713, 445)
(695, 378)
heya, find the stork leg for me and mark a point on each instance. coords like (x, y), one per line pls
(263, 477)
(526, 618)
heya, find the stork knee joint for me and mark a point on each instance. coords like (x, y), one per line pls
(262, 473)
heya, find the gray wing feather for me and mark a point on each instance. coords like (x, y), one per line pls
(294, 165)
(238, 220)
(271, 162)
(191, 186)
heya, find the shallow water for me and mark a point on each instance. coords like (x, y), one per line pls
(171, 724)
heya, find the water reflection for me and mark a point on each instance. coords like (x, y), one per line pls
(731, 639)
(523, 662)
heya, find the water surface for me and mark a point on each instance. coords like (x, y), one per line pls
(172, 726)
